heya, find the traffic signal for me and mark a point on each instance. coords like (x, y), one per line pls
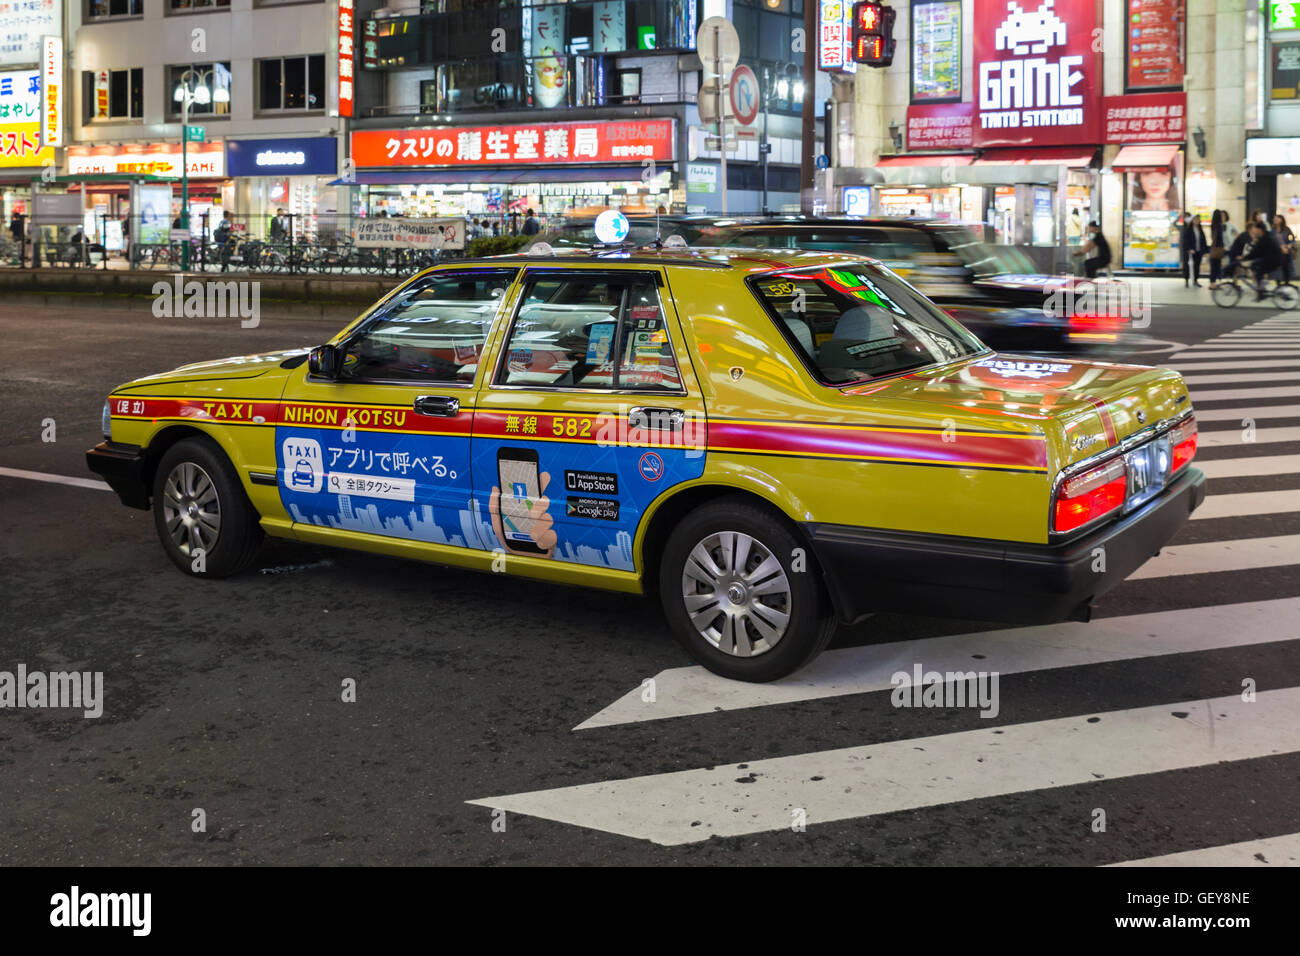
(873, 33)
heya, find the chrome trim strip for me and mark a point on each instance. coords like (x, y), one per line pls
(1128, 444)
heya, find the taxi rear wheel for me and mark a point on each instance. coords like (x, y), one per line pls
(741, 593)
(205, 522)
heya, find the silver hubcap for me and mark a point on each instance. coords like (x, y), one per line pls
(191, 508)
(736, 593)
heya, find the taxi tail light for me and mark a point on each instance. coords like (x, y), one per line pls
(1087, 497)
(1183, 442)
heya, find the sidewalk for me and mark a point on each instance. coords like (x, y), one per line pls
(1169, 291)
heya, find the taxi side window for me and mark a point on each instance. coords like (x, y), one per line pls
(592, 330)
(433, 331)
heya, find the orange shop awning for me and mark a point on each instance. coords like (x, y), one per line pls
(1073, 156)
(1144, 157)
(927, 159)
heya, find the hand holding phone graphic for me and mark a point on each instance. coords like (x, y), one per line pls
(519, 506)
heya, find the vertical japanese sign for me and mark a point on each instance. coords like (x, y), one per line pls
(101, 94)
(550, 71)
(936, 51)
(1155, 33)
(834, 37)
(609, 26)
(346, 61)
(20, 120)
(1037, 73)
(52, 91)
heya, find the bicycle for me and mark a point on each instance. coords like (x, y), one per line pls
(1229, 291)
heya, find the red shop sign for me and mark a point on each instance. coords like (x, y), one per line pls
(541, 143)
(1037, 73)
(940, 126)
(1145, 118)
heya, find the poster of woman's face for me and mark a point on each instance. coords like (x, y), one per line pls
(1153, 189)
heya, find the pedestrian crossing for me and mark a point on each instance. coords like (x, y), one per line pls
(1241, 385)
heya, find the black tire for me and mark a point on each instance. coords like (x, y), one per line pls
(233, 545)
(1226, 294)
(809, 618)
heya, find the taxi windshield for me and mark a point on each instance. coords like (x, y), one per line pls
(856, 322)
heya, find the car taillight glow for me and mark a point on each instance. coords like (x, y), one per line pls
(1087, 497)
(1183, 442)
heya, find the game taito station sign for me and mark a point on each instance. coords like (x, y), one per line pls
(1037, 73)
(540, 143)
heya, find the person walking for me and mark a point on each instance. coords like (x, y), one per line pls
(1286, 243)
(1218, 247)
(531, 226)
(1194, 248)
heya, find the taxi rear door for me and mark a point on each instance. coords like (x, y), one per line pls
(591, 413)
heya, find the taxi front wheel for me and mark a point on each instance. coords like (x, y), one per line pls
(741, 593)
(205, 522)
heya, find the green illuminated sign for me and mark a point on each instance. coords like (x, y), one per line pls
(1284, 16)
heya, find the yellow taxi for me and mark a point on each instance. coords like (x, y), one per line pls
(770, 442)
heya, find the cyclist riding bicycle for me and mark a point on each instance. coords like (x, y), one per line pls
(1264, 256)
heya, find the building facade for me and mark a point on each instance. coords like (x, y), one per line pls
(489, 109)
(1036, 117)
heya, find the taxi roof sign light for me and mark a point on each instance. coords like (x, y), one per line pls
(612, 227)
(675, 242)
(541, 249)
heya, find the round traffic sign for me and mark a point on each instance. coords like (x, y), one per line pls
(744, 95)
(718, 45)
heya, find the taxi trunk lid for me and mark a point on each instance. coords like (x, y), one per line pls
(1082, 409)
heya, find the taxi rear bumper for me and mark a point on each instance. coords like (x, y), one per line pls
(870, 570)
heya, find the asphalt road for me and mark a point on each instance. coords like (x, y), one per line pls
(225, 695)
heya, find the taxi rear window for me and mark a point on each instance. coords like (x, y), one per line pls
(855, 322)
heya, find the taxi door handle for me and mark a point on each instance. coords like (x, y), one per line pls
(439, 406)
(657, 419)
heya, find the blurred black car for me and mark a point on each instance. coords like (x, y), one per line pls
(993, 290)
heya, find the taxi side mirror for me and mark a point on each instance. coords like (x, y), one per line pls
(323, 362)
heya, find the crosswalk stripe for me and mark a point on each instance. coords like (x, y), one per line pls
(1274, 851)
(1283, 355)
(1255, 411)
(94, 483)
(1249, 503)
(1250, 467)
(691, 691)
(1239, 377)
(1232, 436)
(1214, 556)
(1185, 366)
(1202, 394)
(758, 796)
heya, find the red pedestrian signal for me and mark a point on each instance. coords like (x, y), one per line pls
(873, 34)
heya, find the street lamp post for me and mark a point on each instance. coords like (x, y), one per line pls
(192, 88)
(789, 82)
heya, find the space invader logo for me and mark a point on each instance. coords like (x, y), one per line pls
(1035, 32)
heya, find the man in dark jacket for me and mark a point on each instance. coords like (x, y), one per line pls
(1096, 248)
(1264, 256)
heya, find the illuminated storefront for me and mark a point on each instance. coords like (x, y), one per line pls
(210, 189)
(556, 169)
(291, 174)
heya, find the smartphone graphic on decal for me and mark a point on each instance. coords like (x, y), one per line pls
(517, 477)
